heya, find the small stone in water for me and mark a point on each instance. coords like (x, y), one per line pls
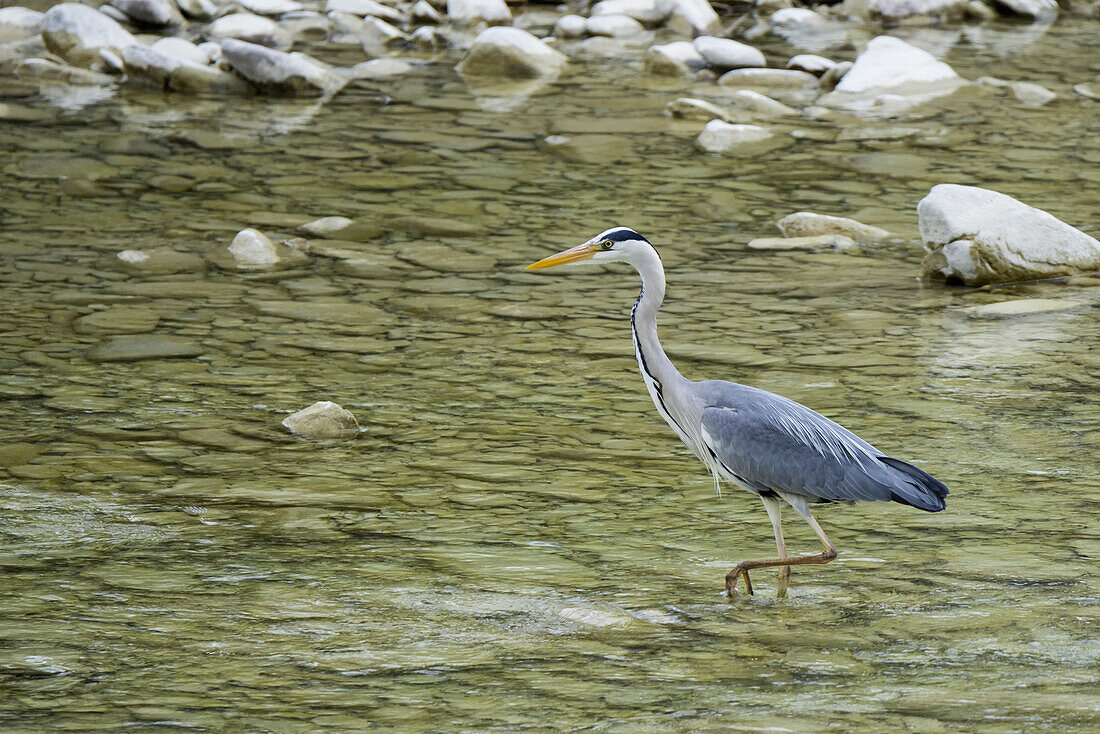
(1033, 95)
(252, 248)
(323, 419)
(1020, 307)
(325, 226)
(835, 241)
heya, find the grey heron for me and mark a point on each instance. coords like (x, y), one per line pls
(774, 447)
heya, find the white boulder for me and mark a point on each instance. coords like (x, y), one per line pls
(157, 13)
(423, 11)
(251, 28)
(572, 26)
(694, 16)
(760, 104)
(378, 34)
(175, 73)
(270, 7)
(473, 11)
(647, 12)
(673, 59)
(810, 63)
(979, 236)
(198, 9)
(385, 68)
(363, 8)
(1031, 94)
(725, 53)
(277, 71)
(897, 9)
(770, 78)
(182, 49)
(722, 137)
(18, 24)
(81, 35)
(202, 10)
(689, 108)
(324, 419)
(251, 248)
(890, 66)
(613, 25)
(511, 53)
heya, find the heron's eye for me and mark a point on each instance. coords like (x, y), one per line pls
(606, 245)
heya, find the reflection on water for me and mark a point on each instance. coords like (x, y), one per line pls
(516, 540)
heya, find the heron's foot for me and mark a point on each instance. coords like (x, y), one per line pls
(731, 579)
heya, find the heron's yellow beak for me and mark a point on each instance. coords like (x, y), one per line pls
(572, 255)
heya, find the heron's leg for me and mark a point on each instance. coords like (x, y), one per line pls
(802, 508)
(773, 507)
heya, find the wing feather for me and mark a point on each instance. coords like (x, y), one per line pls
(769, 442)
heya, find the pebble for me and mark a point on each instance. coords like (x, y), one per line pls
(810, 63)
(747, 99)
(323, 419)
(803, 224)
(253, 249)
(723, 137)
(689, 108)
(251, 28)
(613, 25)
(472, 11)
(725, 53)
(326, 226)
(571, 26)
(1032, 95)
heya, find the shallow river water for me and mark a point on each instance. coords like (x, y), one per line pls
(516, 541)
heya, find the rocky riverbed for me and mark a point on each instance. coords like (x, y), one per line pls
(491, 530)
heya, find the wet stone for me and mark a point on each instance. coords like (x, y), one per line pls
(322, 420)
(60, 165)
(444, 259)
(117, 320)
(1021, 307)
(326, 310)
(137, 348)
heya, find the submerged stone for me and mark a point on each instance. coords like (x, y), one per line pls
(1021, 307)
(136, 348)
(805, 224)
(811, 242)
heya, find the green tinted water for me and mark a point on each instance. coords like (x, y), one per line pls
(516, 541)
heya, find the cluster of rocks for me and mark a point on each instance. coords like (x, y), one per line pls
(972, 236)
(209, 47)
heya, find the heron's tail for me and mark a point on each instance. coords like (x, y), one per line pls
(916, 487)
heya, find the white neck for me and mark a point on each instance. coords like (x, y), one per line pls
(652, 359)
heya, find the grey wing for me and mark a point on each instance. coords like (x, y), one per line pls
(770, 442)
